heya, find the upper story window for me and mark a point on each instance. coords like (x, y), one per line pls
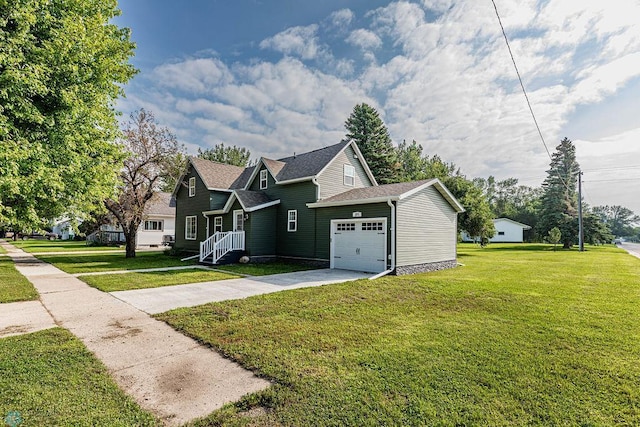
(192, 186)
(349, 175)
(153, 225)
(263, 179)
(292, 220)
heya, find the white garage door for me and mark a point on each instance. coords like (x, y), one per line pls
(359, 245)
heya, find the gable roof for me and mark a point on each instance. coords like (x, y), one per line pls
(161, 204)
(387, 192)
(250, 201)
(216, 175)
(524, 226)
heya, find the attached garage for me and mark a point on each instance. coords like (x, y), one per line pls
(402, 228)
(359, 244)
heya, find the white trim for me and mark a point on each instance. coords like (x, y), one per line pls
(235, 219)
(144, 225)
(293, 221)
(363, 162)
(262, 206)
(345, 175)
(227, 206)
(293, 181)
(215, 219)
(524, 226)
(352, 202)
(332, 244)
(192, 180)
(186, 227)
(264, 179)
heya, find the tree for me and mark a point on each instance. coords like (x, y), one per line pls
(413, 165)
(151, 150)
(619, 219)
(365, 127)
(62, 65)
(554, 236)
(236, 156)
(559, 204)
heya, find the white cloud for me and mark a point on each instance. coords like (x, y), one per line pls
(298, 41)
(364, 39)
(193, 75)
(341, 18)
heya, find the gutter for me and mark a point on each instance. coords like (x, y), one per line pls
(393, 243)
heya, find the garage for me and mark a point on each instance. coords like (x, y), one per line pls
(359, 244)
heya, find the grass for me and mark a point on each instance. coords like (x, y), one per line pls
(50, 378)
(2, 250)
(13, 285)
(87, 262)
(263, 269)
(520, 335)
(129, 281)
(36, 246)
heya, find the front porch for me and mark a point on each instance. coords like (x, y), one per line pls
(214, 248)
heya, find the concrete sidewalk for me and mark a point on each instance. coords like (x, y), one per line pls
(158, 300)
(632, 248)
(164, 371)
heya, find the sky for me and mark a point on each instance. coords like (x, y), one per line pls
(282, 76)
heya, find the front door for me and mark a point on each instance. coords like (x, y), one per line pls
(238, 220)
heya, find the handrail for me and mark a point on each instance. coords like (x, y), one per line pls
(219, 244)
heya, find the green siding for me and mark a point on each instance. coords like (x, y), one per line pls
(217, 199)
(187, 206)
(261, 227)
(325, 215)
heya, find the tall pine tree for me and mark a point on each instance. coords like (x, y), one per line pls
(560, 198)
(365, 127)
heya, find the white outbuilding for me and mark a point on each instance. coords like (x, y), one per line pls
(508, 231)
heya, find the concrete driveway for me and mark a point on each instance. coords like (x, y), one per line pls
(158, 300)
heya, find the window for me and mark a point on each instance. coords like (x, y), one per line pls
(346, 226)
(190, 228)
(153, 226)
(217, 224)
(292, 220)
(349, 175)
(263, 179)
(371, 226)
(238, 220)
(192, 186)
(500, 233)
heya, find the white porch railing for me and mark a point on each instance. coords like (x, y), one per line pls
(220, 244)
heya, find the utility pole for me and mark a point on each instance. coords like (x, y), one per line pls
(580, 225)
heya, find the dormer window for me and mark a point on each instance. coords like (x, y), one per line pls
(192, 186)
(263, 179)
(349, 175)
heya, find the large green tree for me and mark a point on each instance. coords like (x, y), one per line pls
(366, 128)
(620, 220)
(62, 65)
(231, 155)
(559, 203)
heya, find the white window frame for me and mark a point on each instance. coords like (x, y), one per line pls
(238, 214)
(349, 171)
(149, 221)
(217, 227)
(192, 186)
(292, 221)
(187, 234)
(264, 180)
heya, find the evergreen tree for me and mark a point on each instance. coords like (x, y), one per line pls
(365, 127)
(559, 205)
(231, 155)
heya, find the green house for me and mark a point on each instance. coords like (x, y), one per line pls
(323, 206)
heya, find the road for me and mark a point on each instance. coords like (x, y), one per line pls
(632, 248)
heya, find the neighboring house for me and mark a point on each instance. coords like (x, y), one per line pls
(159, 220)
(507, 231)
(64, 229)
(323, 206)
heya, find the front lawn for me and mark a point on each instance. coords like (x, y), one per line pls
(264, 269)
(87, 262)
(520, 335)
(13, 285)
(37, 245)
(153, 279)
(50, 378)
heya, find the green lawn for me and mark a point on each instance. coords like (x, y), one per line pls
(33, 246)
(520, 335)
(263, 269)
(50, 378)
(87, 262)
(2, 250)
(13, 285)
(153, 279)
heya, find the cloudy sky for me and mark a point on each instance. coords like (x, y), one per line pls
(282, 76)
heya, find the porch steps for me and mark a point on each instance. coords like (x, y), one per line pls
(231, 257)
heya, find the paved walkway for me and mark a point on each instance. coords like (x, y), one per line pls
(632, 248)
(164, 371)
(158, 300)
(150, 270)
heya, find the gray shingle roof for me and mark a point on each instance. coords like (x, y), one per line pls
(160, 204)
(387, 190)
(308, 164)
(250, 199)
(217, 175)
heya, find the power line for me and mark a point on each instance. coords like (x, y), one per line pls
(524, 91)
(613, 180)
(614, 168)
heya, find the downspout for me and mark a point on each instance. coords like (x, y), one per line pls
(314, 180)
(393, 243)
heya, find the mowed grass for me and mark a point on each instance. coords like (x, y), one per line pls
(88, 262)
(520, 335)
(50, 378)
(153, 279)
(263, 269)
(37, 245)
(13, 285)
